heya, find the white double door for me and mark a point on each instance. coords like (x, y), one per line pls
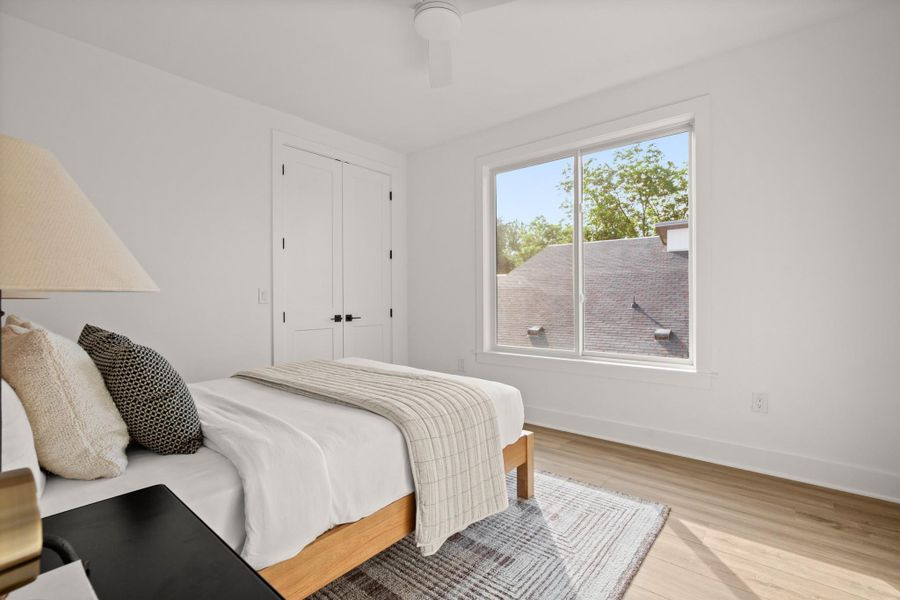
(332, 260)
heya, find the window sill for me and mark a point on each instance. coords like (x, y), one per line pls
(680, 375)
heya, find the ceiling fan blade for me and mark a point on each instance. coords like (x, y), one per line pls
(440, 66)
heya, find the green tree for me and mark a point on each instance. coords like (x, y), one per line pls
(517, 242)
(541, 233)
(626, 198)
(509, 245)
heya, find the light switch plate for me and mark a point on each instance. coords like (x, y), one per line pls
(263, 295)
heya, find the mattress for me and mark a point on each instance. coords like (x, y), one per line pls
(365, 456)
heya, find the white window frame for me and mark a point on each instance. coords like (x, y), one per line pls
(693, 116)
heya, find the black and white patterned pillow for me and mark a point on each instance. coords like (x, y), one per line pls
(151, 396)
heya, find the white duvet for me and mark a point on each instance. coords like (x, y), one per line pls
(307, 465)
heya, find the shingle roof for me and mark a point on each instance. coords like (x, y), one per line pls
(539, 293)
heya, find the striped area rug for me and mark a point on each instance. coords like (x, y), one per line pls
(572, 541)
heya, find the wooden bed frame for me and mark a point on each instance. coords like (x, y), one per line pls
(344, 547)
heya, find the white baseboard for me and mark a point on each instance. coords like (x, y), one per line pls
(838, 476)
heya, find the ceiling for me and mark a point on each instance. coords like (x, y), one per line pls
(357, 65)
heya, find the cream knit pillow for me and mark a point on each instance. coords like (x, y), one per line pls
(78, 433)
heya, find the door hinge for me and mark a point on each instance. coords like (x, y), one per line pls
(392, 313)
(284, 317)
(391, 254)
(390, 195)
(282, 169)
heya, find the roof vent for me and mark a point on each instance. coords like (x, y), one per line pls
(535, 330)
(662, 334)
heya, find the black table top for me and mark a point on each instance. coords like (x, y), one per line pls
(148, 544)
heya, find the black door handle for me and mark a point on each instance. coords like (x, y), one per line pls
(336, 318)
(352, 318)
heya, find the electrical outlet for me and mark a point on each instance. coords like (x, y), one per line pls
(263, 295)
(461, 365)
(759, 402)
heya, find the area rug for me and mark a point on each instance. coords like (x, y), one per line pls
(572, 541)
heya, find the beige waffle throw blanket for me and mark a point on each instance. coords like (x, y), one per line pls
(450, 429)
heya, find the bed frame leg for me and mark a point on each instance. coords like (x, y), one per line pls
(525, 471)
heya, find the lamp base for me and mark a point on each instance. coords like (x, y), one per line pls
(20, 530)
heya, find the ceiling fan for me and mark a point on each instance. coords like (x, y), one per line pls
(438, 22)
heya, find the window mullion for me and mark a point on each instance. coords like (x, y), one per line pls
(577, 257)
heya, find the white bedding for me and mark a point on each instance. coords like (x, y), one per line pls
(205, 481)
(354, 461)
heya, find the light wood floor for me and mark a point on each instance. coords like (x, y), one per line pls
(739, 535)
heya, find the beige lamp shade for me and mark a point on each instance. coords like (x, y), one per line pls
(52, 239)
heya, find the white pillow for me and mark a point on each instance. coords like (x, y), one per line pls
(78, 432)
(17, 449)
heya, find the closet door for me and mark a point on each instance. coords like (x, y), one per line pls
(367, 263)
(308, 278)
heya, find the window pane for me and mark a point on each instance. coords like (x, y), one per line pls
(635, 252)
(534, 256)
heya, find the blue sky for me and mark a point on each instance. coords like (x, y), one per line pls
(526, 193)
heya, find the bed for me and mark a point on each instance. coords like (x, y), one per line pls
(364, 474)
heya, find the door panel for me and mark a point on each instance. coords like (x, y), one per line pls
(309, 286)
(366, 341)
(367, 267)
(312, 344)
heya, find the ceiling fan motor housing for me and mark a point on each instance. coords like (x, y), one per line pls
(437, 20)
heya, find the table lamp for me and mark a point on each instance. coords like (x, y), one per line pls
(52, 239)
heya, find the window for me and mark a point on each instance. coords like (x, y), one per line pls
(592, 250)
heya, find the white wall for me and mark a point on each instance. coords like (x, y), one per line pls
(801, 232)
(183, 174)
